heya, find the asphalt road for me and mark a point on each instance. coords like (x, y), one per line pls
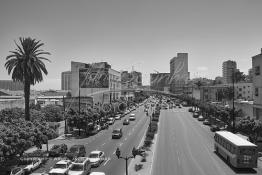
(185, 146)
(132, 135)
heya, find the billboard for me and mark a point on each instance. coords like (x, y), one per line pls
(159, 81)
(93, 78)
(131, 79)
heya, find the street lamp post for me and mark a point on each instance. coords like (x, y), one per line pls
(233, 114)
(135, 152)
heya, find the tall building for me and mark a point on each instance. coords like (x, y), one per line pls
(228, 68)
(257, 85)
(66, 80)
(96, 80)
(250, 75)
(11, 85)
(179, 74)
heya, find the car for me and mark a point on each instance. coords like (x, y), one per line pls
(132, 117)
(117, 133)
(95, 129)
(206, 122)
(97, 173)
(111, 121)
(200, 118)
(179, 106)
(96, 158)
(104, 125)
(126, 122)
(214, 128)
(81, 166)
(76, 151)
(60, 168)
(33, 165)
(118, 117)
(195, 114)
(57, 150)
(223, 127)
(17, 171)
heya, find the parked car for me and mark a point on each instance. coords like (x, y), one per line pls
(111, 121)
(200, 118)
(81, 166)
(117, 133)
(96, 158)
(17, 171)
(57, 150)
(94, 130)
(61, 167)
(97, 173)
(132, 117)
(126, 122)
(118, 117)
(206, 122)
(214, 128)
(223, 127)
(33, 165)
(76, 151)
(195, 114)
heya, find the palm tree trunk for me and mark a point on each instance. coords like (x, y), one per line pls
(27, 98)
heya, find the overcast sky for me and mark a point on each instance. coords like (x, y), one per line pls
(145, 34)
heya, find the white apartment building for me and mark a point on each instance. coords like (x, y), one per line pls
(257, 85)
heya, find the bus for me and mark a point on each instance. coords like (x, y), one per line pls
(237, 151)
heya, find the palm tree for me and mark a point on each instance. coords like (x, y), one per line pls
(26, 65)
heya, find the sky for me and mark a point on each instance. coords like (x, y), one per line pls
(134, 34)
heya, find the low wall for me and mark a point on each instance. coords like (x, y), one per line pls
(19, 103)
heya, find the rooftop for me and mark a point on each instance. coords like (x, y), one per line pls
(235, 139)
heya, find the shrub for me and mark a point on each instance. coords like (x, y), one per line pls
(155, 119)
(147, 143)
(138, 167)
(150, 135)
(143, 159)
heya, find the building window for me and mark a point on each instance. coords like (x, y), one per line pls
(256, 91)
(257, 70)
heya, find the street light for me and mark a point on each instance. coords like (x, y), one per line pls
(135, 152)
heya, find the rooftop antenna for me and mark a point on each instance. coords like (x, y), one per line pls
(132, 68)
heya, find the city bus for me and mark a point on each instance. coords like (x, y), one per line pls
(237, 151)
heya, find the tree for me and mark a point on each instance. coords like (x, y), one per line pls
(26, 65)
(239, 76)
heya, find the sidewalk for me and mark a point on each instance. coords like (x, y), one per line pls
(147, 166)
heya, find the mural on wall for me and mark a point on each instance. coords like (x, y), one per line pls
(94, 78)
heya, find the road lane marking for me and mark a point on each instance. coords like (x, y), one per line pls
(125, 139)
(106, 162)
(129, 133)
(103, 144)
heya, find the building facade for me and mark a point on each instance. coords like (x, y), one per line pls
(66, 80)
(11, 85)
(179, 74)
(257, 85)
(228, 68)
(95, 80)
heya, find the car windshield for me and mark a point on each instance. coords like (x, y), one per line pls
(116, 131)
(77, 167)
(62, 166)
(93, 155)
